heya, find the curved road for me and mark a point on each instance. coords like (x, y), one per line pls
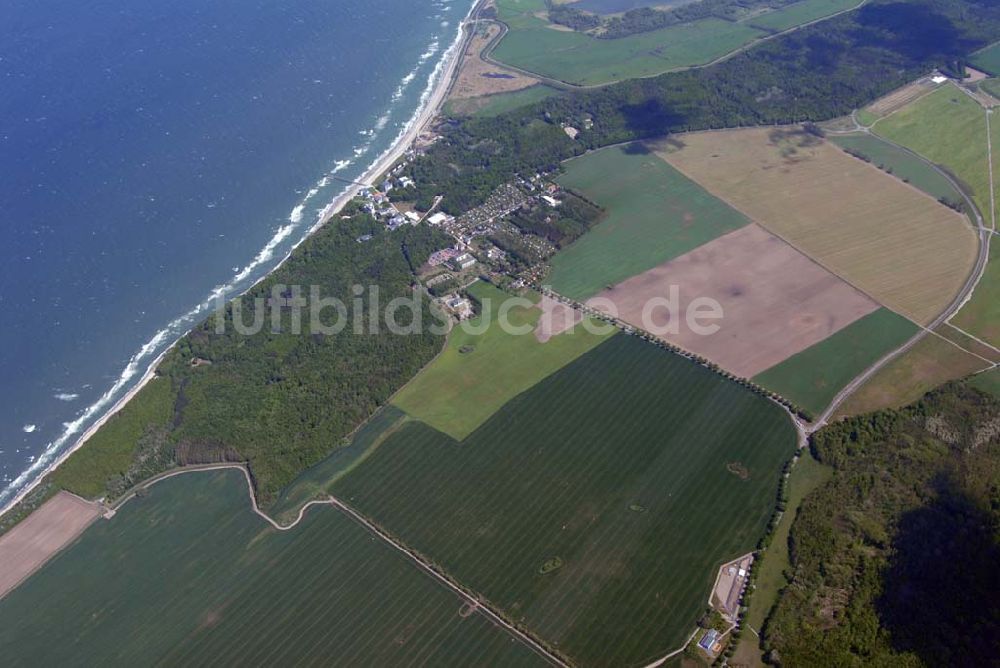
(985, 234)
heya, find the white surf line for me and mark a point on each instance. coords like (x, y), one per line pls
(481, 605)
(438, 84)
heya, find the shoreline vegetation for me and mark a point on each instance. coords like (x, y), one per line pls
(428, 110)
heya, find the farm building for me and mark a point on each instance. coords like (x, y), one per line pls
(708, 640)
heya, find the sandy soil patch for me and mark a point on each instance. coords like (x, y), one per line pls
(775, 300)
(477, 77)
(556, 319)
(973, 75)
(885, 237)
(26, 547)
(901, 97)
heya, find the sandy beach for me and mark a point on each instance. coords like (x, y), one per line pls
(442, 80)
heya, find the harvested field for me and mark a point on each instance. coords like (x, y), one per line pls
(901, 97)
(813, 377)
(595, 507)
(776, 301)
(191, 576)
(887, 238)
(933, 361)
(26, 547)
(478, 77)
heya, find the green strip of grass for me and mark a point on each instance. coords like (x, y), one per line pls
(479, 372)
(501, 103)
(988, 60)
(900, 163)
(654, 214)
(316, 481)
(948, 128)
(813, 377)
(987, 382)
(796, 14)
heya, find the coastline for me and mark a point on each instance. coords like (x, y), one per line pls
(439, 83)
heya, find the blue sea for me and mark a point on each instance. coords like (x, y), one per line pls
(154, 154)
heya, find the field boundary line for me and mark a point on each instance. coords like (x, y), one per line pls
(934, 89)
(480, 605)
(973, 337)
(357, 517)
(110, 511)
(955, 343)
(487, 53)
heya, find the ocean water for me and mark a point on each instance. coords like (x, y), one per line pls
(153, 154)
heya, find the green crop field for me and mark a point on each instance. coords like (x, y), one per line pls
(479, 372)
(799, 13)
(813, 377)
(654, 214)
(991, 86)
(948, 128)
(987, 382)
(902, 164)
(190, 576)
(988, 59)
(981, 316)
(531, 44)
(596, 506)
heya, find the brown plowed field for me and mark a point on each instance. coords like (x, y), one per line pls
(775, 300)
(27, 546)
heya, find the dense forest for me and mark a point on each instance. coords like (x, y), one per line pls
(895, 560)
(816, 73)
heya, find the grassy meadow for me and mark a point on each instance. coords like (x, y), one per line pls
(477, 373)
(190, 576)
(813, 377)
(901, 164)
(806, 475)
(799, 13)
(987, 382)
(948, 128)
(988, 59)
(654, 214)
(930, 363)
(533, 45)
(981, 316)
(594, 507)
